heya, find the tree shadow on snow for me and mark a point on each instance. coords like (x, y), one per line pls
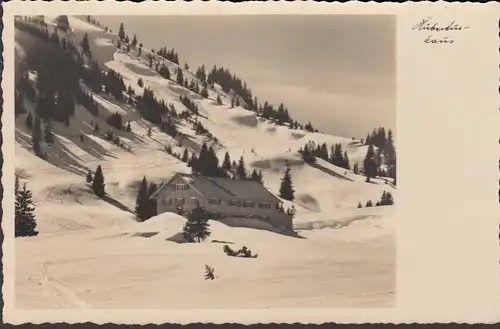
(57, 154)
(114, 202)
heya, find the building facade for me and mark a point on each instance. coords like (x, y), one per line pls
(221, 198)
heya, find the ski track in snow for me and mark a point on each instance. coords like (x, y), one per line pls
(346, 258)
(59, 291)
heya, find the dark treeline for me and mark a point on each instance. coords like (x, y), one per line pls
(145, 207)
(335, 156)
(168, 54)
(230, 82)
(157, 112)
(386, 200)
(189, 104)
(115, 120)
(385, 152)
(208, 164)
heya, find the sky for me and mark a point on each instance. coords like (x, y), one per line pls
(337, 71)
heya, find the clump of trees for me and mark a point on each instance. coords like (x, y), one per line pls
(386, 200)
(337, 156)
(145, 207)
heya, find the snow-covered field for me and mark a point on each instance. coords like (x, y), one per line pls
(91, 253)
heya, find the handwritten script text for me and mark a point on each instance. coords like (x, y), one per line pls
(438, 33)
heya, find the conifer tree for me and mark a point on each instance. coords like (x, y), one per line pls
(359, 205)
(196, 228)
(16, 186)
(204, 92)
(369, 164)
(134, 41)
(226, 165)
(347, 165)
(25, 220)
(121, 32)
(142, 201)
(29, 120)
(36, 138)
(152, 202)
(286, 188)
(261, 177)
(180, 77)
(219, 100)
(355, 168)
(98, 183)
(48, 135)
(89, 177)
(241, 172)
(185, 156)
(369, 203)
(85, 44)
(255, 176)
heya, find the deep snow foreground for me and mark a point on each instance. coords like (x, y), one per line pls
(138, 267)
(92, 254)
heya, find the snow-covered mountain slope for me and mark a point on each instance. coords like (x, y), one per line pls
(346, 258)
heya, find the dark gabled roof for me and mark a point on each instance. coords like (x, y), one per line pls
(224, 188)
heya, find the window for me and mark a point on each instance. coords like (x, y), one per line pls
(180, 201)
(193, 202)
(214, 202)
(167, 202)
(235, 203)
(181, 187)
(277, 206)
(264, 205)
(248, 204)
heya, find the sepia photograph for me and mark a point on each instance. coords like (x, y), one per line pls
(205, 162)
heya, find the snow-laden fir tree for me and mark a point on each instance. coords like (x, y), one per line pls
(196, 228)
(219, 100)
(25, 221)
(98, 183)
(286, 188)
(226, 165)
(89, 177)
(142, 201)
(370, 167)
(121, 32)
(152, 202)
(241, 172)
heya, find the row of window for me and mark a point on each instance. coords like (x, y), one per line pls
(180, 202)
(217, 202)
(181, 187)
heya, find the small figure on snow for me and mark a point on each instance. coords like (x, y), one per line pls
(209, 273)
